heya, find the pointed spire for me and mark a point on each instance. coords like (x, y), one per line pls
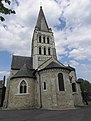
(41, 21)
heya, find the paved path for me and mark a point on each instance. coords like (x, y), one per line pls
(80, 114)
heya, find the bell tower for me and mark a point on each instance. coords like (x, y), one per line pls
(43, 46)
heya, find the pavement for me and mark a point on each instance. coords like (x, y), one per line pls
(79, 114)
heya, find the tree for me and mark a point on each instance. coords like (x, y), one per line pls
(5, 10)
(85, 85)
(85, 88)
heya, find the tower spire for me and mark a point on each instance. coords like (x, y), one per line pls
(43, 46)
(41, 21)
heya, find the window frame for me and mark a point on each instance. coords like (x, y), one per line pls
(48, 40)
(44, 86)
(44, 50)
(74, 87)
(49, 51)
(44, 39)
(40, 50)
(61, 81)
(40, 40)
(26, 87)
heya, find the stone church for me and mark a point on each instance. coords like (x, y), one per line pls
(41, 81)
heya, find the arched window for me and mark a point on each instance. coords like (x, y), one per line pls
(40, 51)
(40, 39)
(61, 82)
(23, 87)
(48, 41)
(44, 85)
(44, 39)
(44, 50)
(49, 53)
(74, 87)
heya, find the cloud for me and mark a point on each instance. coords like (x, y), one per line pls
(74, 63)
(84, 71)
(4, 73)
(16, 33)
(81, 53)
(70, 22)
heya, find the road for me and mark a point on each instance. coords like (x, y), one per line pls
(79, 114)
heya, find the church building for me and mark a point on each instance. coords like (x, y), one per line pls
(41, 81)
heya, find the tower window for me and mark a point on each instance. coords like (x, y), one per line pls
(61, 82)
(44, 51)
(74, 87)
(44, 85)
(39, 39)
(44, 39)
(23, 87)
(49, 53)
(40, 51)
(48, 41)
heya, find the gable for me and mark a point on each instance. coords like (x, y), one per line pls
(24, 72)
(51, 63)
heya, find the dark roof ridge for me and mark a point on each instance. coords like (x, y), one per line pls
(25, 72)
(70, 67)
(20, 56)
(54, 65)
(44, 62)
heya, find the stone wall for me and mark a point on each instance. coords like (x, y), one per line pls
(18, 100)
(36, 96)
(77, 97)
(13, 72)
(52, 98)
(40, 59)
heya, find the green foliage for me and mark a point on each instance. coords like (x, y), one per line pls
(5, 10)
(85, 85)
(85, 90)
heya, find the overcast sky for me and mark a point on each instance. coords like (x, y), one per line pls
(70, 21)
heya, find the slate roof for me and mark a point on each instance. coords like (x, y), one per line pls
(41, 21)
(53, 65)
(71, 68)
(19, 61)
(24, 72)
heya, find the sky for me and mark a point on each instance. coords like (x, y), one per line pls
(70, 21)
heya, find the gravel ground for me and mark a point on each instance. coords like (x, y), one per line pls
(79, 114)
